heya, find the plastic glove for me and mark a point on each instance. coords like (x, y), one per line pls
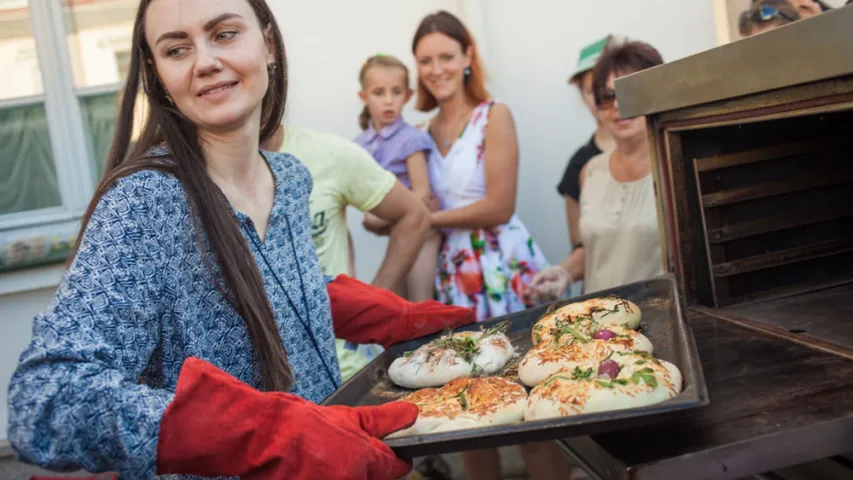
(549, 284)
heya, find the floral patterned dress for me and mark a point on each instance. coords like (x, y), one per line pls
(486, 268)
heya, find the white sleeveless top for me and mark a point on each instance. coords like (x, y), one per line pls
(619, 228)
(458, 179)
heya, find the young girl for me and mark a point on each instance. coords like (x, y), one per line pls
(402, 150)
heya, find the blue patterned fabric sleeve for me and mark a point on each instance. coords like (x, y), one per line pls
(74, 400)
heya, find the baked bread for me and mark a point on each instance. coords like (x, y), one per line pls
(466, 403)
(581, 344)
(451, 356)
(625, 380)
(604, 310)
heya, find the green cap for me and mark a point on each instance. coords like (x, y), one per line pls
(589, 55)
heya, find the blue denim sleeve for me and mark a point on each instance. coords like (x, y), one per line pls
(74, 400)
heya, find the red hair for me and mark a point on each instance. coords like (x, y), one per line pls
(447, 24)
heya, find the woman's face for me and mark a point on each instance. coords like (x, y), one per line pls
(212, 57)
(608, 108)
(441, 65)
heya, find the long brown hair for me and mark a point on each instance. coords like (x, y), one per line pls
(447, 24)
(240, 281)
(387, 61)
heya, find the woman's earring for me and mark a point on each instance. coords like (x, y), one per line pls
(169, 100)
(271, 68)
(467, 71)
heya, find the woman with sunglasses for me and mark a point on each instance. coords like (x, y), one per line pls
(766, 15)
(618, 220)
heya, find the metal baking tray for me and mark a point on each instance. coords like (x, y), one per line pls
(662, 322)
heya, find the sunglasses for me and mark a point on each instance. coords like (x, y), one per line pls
(765, 13)
(606, 99)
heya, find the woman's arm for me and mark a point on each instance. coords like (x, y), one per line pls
(501, 168)
(74, 399)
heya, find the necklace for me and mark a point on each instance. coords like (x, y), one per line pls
(448, 137)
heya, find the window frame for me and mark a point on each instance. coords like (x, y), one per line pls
(66, 124)
(69, 139)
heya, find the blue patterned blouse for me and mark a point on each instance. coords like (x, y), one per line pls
(92, 386)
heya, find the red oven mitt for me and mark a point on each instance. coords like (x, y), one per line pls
(365, 314)
(219, 426)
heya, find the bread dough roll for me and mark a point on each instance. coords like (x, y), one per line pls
(565, 351)
(456, 355)
(466, 403)
(642, 380)
(604, 310)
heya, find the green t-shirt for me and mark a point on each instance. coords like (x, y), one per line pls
(344, 174)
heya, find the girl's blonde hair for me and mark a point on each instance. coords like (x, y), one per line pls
(381, 60)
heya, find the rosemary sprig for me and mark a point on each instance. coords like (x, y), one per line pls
(561, 329)
(466, 347)
(554, 378)
(463, 399)
(623, 304)
(537, 334)
(498, 328)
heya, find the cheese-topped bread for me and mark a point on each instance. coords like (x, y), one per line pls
(581, 344)
(604, 310)
(466, 403)
(451, 356)
(625, 380)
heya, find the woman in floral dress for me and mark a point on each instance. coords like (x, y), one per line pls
(487, 258)
(483, 267)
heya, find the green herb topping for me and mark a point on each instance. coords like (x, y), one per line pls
(578, 374)
(646, 375)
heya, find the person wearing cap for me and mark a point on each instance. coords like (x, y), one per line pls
(600, 141)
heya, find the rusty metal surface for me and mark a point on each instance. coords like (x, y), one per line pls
(806, 51)
(662, 322)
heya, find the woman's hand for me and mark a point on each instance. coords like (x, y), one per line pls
(548, 284)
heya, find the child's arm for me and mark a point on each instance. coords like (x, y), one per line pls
(418, 175)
